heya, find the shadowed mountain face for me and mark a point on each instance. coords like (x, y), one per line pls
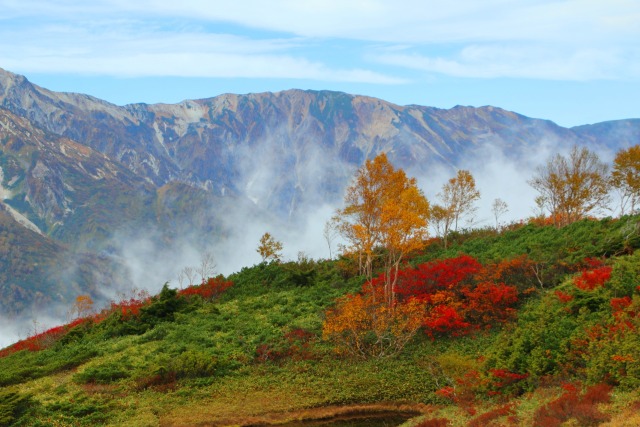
(76, 170)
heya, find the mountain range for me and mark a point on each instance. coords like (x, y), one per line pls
(78, 173)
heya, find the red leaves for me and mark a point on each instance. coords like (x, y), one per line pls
(486, 418)
(42, 340)
(447, 392)
(572, 405)
(209, 290)
(620, 304)
(503, 378)
(460, 294)
(421, 282)
(129, 306)
(594, 277)
(444, 318)
(490, 302)
(563, 297)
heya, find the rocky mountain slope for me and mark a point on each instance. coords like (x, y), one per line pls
(77, 170)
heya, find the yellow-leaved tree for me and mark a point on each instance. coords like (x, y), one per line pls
(572, 187)
(626, 177)
(269, 248)
(385, 217)
(82, 307)
(458, 197)
(384, 209)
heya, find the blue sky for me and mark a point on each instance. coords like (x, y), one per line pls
(570, 61)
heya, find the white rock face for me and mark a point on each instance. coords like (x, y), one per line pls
(6, 194)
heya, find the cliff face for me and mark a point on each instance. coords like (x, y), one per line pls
(76, 169)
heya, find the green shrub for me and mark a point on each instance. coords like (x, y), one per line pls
(103, 374)
(193, 364)
(13, 405)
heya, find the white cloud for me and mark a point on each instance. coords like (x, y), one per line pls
(567, 40)
(416, 21)
(119, 49)
(523, 61)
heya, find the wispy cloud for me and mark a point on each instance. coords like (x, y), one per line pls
(126, 49)
(523, 61)
(566, 40)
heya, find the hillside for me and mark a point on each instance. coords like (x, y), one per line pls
(248, 349)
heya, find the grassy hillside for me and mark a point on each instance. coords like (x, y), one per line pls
(248, 350)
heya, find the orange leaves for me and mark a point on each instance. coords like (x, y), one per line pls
(383, 208)
(448, 296)
(82, 307)
(363, 325)
(459, 194)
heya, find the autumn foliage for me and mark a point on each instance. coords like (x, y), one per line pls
(460, 295)
(445, 297)
(384, 210)
(626, 177)
(595, 276)
(208, 290)
(364, 325)
(572, 187)
(42, 340)
(573, 405)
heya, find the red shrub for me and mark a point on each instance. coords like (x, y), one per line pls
(515, 271)
(593, 278)
(128, 308)
(489, 302)
(564, 298)
(572, 405)
(445, 318)
(447, 393)
(426, 279)
(620, 304)
(209, 290)
(44, 339)
(502, 378)
(484, 419)
(459, 293)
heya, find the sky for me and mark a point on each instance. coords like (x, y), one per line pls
(570, 61)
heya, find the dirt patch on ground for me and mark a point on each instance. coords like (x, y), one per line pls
(327, 413)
